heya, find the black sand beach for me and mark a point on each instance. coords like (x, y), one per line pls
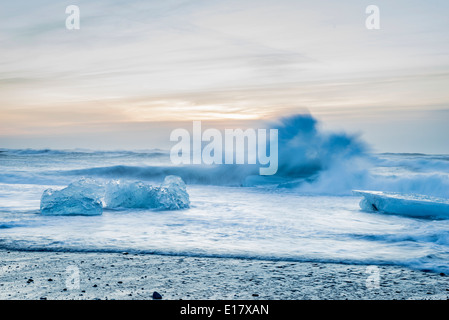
(47, 275)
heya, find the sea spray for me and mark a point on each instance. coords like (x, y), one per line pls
(311, 161)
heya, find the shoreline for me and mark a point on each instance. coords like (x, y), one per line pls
(34, 275)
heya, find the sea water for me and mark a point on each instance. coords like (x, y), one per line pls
(306, 213)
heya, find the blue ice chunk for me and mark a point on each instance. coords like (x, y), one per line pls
(121, 194)
(171, 195)
(413, 205)
(79, 198)
(88, 197)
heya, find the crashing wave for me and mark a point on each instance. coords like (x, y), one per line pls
(311, 161)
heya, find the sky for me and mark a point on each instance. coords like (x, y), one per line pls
(135, 70)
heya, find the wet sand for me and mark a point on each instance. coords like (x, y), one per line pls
(121, 276)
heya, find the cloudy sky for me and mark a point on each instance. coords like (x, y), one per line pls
(137, 69)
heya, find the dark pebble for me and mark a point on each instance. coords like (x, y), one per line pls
(43, 298)
(156, 295)
(94, 286)
(255, 295)
(442, 274)
(120, 282)
(50, 279)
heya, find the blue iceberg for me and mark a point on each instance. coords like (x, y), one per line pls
(171, 195)
(89, 197)
(78, 198)
(413, 205)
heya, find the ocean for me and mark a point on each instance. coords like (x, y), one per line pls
(307, 212)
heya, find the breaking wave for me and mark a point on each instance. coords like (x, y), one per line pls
(311, 161)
